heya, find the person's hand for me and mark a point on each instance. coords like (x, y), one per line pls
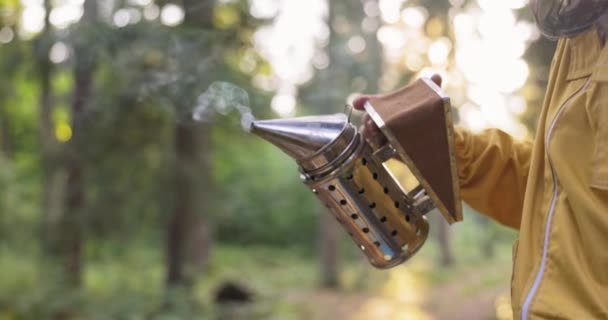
(368, 128)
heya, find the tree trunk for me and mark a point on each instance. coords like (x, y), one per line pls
(188, 233)
(188, 237)
(183, 208)
(71, 228)
(446, 258)
(336, 86)
(328, 230)
(51, 172)
(5, 139)
(329, 250)
(488, 236)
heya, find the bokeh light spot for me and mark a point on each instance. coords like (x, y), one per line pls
(59, 52)
(356, 44)
(171, 15)
(226, 17)
(63, 132)
(284, 105)
(6, 35)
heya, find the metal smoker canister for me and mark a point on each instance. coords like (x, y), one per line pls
(350, 177)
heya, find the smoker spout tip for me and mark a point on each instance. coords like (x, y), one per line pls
(247, 122)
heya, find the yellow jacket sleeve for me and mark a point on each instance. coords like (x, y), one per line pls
(492, 172)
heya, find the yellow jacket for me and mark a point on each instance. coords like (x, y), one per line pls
(554, 190)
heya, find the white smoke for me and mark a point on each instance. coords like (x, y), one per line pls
(223, 98)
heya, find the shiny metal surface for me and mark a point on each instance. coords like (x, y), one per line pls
(301, 137)
(382, 220)
(333, 153)
(350, 179)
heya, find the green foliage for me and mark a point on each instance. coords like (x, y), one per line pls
(147, 80)
(264, 200)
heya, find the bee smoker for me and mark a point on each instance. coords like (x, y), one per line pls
(349, 174)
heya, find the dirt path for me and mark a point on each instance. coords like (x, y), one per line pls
(405, 294)
(477, 295)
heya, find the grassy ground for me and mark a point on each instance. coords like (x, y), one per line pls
(284, 283)
(286, 288)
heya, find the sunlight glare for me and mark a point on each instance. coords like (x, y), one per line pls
(503, 308)
(290, 44)
(517, 105)
(151, 12)
(134, 15)
(439, 51)
(320, 60)
(28, 3)
(371, 9)
(265, 82)
(141, 3)
(389, 10)
(369, 24)
(171, 15)
(32, 18)
(284, 105)
(414, 17)
(391, 37)
(264, 9)
(121, 17)
(59, 52)
(63, 16)
(356, 44)
(501, 5)
(472, 118)
(6, 35)
(414, 62)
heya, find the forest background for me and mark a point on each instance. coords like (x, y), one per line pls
(116, 204)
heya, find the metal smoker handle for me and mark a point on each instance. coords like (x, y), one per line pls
(416, 120)
(418, 196)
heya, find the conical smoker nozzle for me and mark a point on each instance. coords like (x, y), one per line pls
(301, 137)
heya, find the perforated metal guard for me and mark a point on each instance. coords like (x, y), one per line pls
(372, 208)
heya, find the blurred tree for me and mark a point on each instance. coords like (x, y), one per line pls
(490, 236)
(8, 56)
(188, 237)
(5, 138)
(50, 164)
(114, 113)
(328, 241)
(71, 233)
(446, 257)
(355, 63)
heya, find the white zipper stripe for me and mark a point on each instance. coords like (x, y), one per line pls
(541, 269)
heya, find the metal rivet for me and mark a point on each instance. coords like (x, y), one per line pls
(366, 230)
(331, 188)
